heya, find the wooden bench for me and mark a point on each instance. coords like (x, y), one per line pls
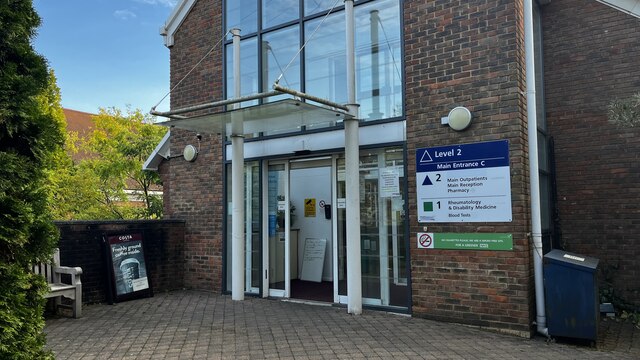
(53, 273)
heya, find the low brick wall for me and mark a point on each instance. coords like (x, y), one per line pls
(81, 245)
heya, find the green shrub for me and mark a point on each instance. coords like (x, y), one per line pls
(21, 307)
(29, 136)
(625, 112)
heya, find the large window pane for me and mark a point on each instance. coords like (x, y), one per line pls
(242, 14)
(378, 67)
(379, 75)
(248, 70)
(278, 48)
(276, 12)
(315, 6)
(325, 59)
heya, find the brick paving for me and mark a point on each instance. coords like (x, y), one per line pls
(201, 325)
(615, 334)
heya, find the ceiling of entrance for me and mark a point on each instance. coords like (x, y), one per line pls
(288, 114)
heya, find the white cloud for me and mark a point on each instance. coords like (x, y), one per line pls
(167, 3)
(124, 14)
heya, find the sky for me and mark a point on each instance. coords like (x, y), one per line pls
(106, 53)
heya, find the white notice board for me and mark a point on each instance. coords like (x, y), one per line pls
(313, 259)
(464, 183)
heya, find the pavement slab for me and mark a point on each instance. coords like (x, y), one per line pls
(204, 325)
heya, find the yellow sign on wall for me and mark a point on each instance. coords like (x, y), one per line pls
(310, 207)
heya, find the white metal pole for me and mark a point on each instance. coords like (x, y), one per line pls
(237, 184)
(534, 179)
(352, 169)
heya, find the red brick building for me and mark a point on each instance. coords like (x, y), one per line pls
(469, 261)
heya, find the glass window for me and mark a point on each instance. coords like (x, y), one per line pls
(248, 70)
(320, 70)
(379, 79)
(242, 14)
(325, 59)
(278, 48)
(543, 153)
(315, 6)
(276, 12)
(545, 202)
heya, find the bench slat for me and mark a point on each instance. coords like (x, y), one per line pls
(51, 272)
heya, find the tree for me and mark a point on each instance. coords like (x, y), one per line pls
(30, 135)
(96, 187)
(72, 190)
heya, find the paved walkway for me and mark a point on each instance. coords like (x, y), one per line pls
(201, 325)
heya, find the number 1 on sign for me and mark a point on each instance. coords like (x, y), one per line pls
(438, 203)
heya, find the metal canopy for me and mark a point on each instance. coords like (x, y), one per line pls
(287, 114)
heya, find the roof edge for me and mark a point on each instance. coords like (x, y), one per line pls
(631, 7)
(161, 152)
(174, 21)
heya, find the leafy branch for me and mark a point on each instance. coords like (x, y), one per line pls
(625, 112)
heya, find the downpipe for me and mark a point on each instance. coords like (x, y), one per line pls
(534, 179)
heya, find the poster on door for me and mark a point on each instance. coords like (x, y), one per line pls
(310, 207)
(389, 182)
(127, 266)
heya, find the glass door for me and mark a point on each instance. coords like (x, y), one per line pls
(382, 242)
(252, 244)
(311, 234)
(277, 234)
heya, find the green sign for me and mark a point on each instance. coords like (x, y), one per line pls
(465, 241)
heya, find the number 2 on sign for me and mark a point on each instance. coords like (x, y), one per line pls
(437, 177)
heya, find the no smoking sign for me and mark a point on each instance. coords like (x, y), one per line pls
(425, 240)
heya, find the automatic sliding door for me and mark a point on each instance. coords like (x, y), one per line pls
(278, 229)
(382, 241)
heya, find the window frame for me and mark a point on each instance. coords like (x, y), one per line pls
(300, 22)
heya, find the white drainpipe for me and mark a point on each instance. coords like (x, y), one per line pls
(534, 180)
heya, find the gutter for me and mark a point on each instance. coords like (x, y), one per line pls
(630, 7)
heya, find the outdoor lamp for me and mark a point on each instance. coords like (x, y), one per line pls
(190, 153)
(459, 118)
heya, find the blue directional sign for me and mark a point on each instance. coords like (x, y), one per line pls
(466, 156)
(464, 183)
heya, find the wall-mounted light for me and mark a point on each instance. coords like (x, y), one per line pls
(459, 118)
(190, 153)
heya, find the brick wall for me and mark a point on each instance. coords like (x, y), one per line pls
(592, 55)
(196, 189)
(471, 54)
(81, 245)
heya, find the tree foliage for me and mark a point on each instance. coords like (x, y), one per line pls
(625, 112)
(100, 186)
(29, 137)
